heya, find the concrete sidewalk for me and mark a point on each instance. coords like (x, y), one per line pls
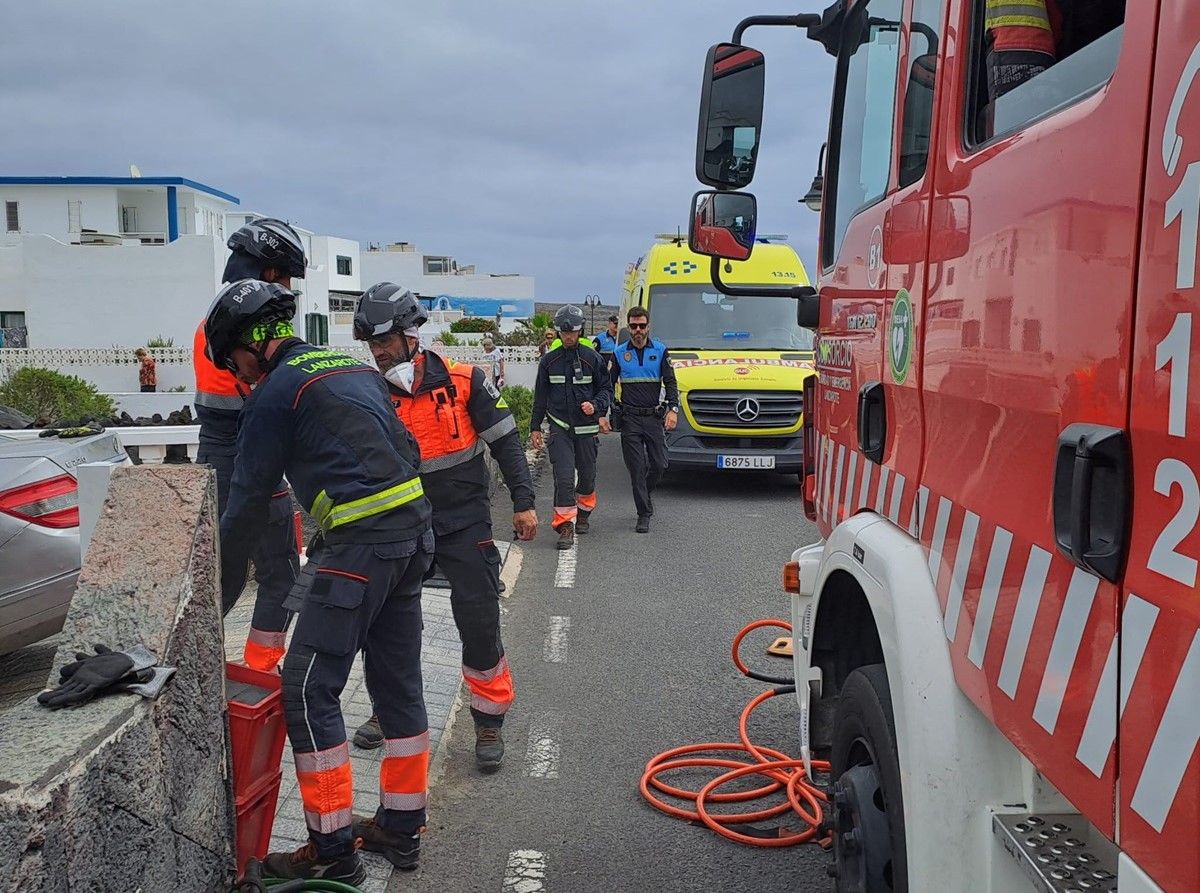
(441, 663)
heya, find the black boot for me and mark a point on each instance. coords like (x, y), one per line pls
(402, 850)
(566, 535)
(582, 524)
(369, 735)
(489, 747)
(643, 524)
(306, 863)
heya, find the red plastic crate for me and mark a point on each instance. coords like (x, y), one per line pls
(256, 730)
(255, 818)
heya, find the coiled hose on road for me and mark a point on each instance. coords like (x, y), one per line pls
(804, 797)
(253, 882)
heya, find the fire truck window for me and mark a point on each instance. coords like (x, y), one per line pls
(1033, 59)
(867, 83)
(918, 94)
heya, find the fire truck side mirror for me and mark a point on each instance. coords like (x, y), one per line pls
(731, 104)
(808, 308)
(722, 224)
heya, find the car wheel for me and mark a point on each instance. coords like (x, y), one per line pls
(868, 810)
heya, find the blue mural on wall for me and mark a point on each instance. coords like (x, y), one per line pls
(510, 308)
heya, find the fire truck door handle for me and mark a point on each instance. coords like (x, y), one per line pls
(872, 421)
(1092, 498)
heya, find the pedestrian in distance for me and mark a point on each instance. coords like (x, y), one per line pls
(326, 421)
(572, 391)
(547, 340)
(493, 361)
(649, 407)
(455, 412)
(270, 251)
(147, 372)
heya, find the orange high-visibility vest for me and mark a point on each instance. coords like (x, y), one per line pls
(1028, 25)
(439, 421)
(215, 388)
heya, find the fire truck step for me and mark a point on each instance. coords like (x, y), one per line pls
(1059, 853)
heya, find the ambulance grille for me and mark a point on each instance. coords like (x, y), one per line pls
(746, 409)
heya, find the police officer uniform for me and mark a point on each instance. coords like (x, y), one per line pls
(567, 378)
(644, 373)
(604, 345)
(328, 422)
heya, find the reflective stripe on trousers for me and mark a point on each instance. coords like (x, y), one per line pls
(491, 690)
(404, 771)
(327, 788)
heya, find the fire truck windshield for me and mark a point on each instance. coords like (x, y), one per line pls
(698, 317)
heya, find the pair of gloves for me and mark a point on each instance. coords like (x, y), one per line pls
(78, 431)
(90, 675)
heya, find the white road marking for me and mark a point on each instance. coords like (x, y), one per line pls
(1077, 607)
(1174, 743)
(1037, 569)
(555, 649)
(564, 576)
(511, 569)
(525, 872)
(541, 757)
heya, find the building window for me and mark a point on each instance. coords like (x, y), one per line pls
(12, 218)
(344, 267)
(12, 319)
(74, 212)
(438, 265)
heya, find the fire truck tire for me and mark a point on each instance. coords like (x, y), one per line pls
(868, 810)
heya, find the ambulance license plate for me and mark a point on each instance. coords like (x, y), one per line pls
(750, 462)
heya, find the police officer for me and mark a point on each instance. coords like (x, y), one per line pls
(454, 411)
(268, 250)
(573, 391)
(605, 342)
(326, 420)
(643, 368)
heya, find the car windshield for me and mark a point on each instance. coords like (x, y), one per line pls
(699, 317)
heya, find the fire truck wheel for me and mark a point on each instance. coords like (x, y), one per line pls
(868, 814)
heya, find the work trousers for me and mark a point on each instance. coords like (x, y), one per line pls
(644, 446)
(276, 564)
(359, 597)
(573, 458)
(470, 561)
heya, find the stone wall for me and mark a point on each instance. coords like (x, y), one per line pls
(124, 793)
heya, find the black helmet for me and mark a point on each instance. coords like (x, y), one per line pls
(265, 242)
(569, 318)
(246, 311)
(386, 308)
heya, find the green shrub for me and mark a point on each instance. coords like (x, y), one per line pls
(160, 341)
(474, 324)
(449, 340)
(520, 400)
(51, 397)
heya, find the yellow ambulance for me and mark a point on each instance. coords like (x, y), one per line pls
(740, 362)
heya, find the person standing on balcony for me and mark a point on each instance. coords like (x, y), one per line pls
(147, 374)
(271, 251)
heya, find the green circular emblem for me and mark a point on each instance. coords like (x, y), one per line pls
(900, 336)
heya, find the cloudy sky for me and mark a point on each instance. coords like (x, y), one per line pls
(552, 139)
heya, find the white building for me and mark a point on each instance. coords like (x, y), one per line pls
(451, 291)
(104, 261)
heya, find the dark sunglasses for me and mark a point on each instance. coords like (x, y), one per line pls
(639, 325)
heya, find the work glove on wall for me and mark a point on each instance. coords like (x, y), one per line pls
(92, 674)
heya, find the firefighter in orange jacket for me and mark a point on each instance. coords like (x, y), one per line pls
(454, 411)
(270, 251)
(1022, 42)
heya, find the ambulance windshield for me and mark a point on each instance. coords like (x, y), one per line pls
(698, 317)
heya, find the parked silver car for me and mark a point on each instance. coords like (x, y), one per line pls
(39, 530)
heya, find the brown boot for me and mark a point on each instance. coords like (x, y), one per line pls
(566, 535)
(582, 524)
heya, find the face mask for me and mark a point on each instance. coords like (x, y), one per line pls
(402, 376)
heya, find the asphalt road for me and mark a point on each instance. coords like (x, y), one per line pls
(641, 665)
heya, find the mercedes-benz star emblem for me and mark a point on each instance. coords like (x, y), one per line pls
(747, 409)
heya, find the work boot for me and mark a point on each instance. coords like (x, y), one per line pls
(582, 524)
(369, 735)
(489, 747)
(307, 864)
(649, 505)
(566, 535)
(643, 524)
(401, 849)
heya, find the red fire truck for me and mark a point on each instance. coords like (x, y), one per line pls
(999, 629)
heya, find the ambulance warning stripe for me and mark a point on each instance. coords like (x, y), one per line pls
(998, 640)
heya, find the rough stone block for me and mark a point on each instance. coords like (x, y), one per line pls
(124, 793)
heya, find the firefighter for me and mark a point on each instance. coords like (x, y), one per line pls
(606, 341)
(326, 420)
(644, 370)
(573, 391)
(455, 411)
(268, 250)
(1022, 42)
